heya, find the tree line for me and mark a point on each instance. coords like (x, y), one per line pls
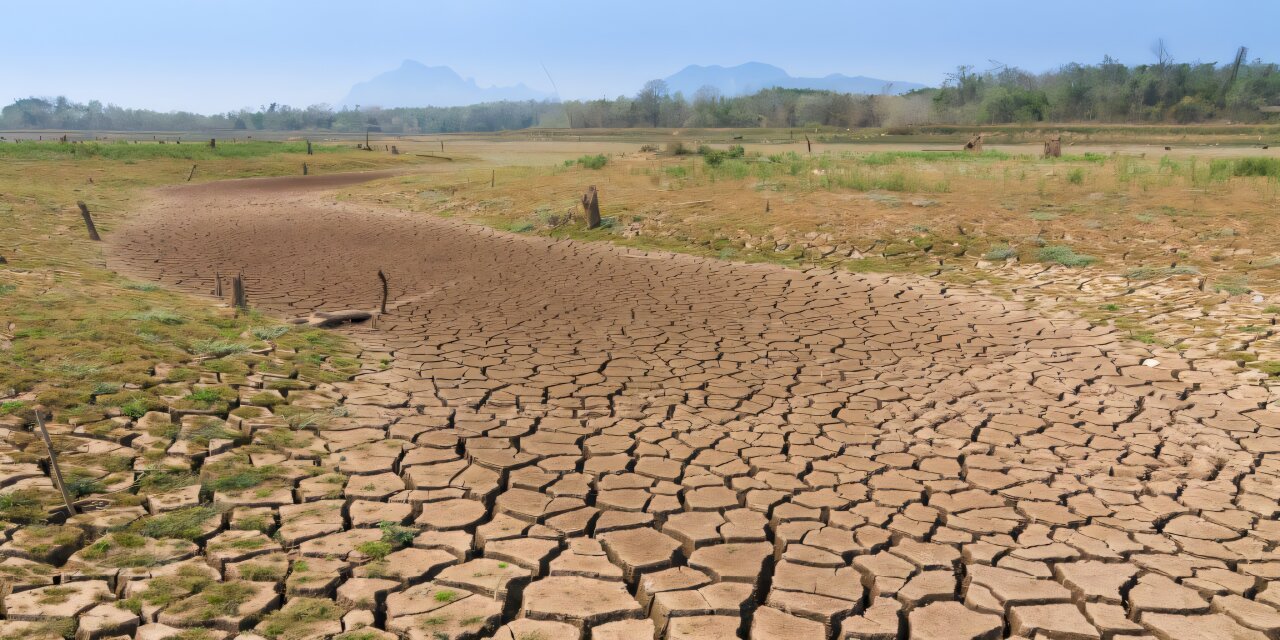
(1163, 92)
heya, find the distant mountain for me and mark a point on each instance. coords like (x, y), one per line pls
(416, 85)
(751, 77)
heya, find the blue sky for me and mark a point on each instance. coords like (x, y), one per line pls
(205, 55)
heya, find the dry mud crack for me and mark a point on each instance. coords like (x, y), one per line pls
(587, 445)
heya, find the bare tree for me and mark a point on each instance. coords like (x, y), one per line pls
(650, 100)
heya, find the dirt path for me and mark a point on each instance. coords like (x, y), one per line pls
(608, 436)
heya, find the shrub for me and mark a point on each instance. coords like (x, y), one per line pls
(1065, 256)
(1257, 167)
(677, 149)
(593, 162)
(1001, 252)
(1075, 176)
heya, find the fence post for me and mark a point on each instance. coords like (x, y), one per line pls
(88, 221)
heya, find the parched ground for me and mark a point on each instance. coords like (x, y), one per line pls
(588, 441)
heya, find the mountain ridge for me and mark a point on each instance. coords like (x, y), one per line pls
(414, 84)
(750, 77)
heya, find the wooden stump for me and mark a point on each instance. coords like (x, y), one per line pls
(213, 143)
(304, 168)
(591, 204)
(217, 285)
(1053, 147)
(238, 298)
(974, 144)
(88, 221)
(383, 307)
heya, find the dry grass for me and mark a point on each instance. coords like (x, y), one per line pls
(901, 211)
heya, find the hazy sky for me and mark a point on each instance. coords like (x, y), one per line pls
(207, 56)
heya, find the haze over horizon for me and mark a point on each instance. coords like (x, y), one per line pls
(215, 57)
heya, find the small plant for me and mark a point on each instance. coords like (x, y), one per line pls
(141, 286)
(1043, 216)
(269, 333)
(375, 549)
(1065, 256)
(446, 595)
(395, 534)
(521, 227)
(1075, 176)
(1000, 252)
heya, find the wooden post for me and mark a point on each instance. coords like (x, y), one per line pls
(238, 298)
(192, 174)
(304, 168)
(88, 221)
(53, 464)
(383, 277)
(807, 143)
(493, 177)
(366, 140)
(308, 147)
(591, 204)
(213, 143)
(766, 205)
(442, 146)
(217, 285)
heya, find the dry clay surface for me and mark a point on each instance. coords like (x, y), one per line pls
(594, 442)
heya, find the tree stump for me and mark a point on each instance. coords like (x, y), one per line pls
(88, 221)
(394, 150)
(1053, 147)
(591, 204)
(213, 143)
(974, 144)
(304, 168)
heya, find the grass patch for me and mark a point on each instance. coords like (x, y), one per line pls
(217, 348)
(1151, 273)
(1000, 252)
(296, 619)
(184, 524)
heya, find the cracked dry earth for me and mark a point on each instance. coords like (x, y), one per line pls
(594, 442)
